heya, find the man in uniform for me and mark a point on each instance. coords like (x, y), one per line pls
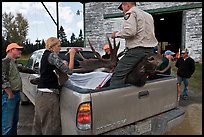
(138, 32)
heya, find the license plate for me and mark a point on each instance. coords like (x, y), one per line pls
(143, 127)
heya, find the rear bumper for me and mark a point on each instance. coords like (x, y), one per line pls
(166, 121)
(156, 125)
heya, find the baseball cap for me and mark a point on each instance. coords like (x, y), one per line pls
(106, 46)
(13, 46)
(120, 6)
(184, 51)
(169, 52)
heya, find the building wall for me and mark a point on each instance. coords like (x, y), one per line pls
(97, 27)
(193, 34)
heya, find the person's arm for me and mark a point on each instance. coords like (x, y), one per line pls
(177, 63)
(192, 68)
(5, 80)
(129, 29)
(71, 60)
(54, 59)
(165, 69)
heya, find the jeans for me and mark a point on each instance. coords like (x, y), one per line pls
(10, 113)
(185, 82)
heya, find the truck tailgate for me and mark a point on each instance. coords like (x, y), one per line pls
(114, 108)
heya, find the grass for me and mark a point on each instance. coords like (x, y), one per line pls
(23, 59)
(195, 82)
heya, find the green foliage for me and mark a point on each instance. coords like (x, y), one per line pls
(195, 82)
(63, 37)
(15, 28)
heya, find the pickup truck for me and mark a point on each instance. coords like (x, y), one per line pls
(122, 110)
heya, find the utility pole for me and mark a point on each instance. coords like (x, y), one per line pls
(57, 20)
(56, 23)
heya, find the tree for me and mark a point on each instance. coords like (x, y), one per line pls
(80, 41)
(15, 28)
(80, 35)
(63, 37)
(73, 38)
(43, 44)
(4, 45)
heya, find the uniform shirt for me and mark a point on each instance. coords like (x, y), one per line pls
(10, 75)
(138, 29)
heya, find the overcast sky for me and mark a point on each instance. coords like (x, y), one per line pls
(41, 26)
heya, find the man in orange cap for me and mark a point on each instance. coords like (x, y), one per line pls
(106, 48)
(11, 87)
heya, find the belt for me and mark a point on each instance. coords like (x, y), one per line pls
(48, 90)
(13, 91)
(142, 47)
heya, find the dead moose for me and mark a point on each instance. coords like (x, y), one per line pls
(137, 76)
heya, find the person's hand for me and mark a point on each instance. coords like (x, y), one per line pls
(114, 34)
(65, 62)
(158, 71)
(9, 92)
(72, 52)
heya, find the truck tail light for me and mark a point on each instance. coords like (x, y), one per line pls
(84, 116)
(178, 92)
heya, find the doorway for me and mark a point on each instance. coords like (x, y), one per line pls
(168, 30)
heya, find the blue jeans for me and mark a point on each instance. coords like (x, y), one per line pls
(10, 113)
(185, 82)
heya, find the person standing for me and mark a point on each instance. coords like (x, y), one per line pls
(140, 40)
(165, 67)
(47, 118)
(185, 69)
(106, 48)
(11, 88)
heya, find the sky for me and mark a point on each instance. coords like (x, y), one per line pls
(41, 25)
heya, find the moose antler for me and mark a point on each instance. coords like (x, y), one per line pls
(137, 76)
(87, 65)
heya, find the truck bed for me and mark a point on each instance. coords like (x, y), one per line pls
(114, 107)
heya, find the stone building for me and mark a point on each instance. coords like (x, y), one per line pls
(178, 25)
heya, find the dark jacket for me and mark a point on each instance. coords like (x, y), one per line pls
(185, 67)
(48, 79)
(106, 56)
